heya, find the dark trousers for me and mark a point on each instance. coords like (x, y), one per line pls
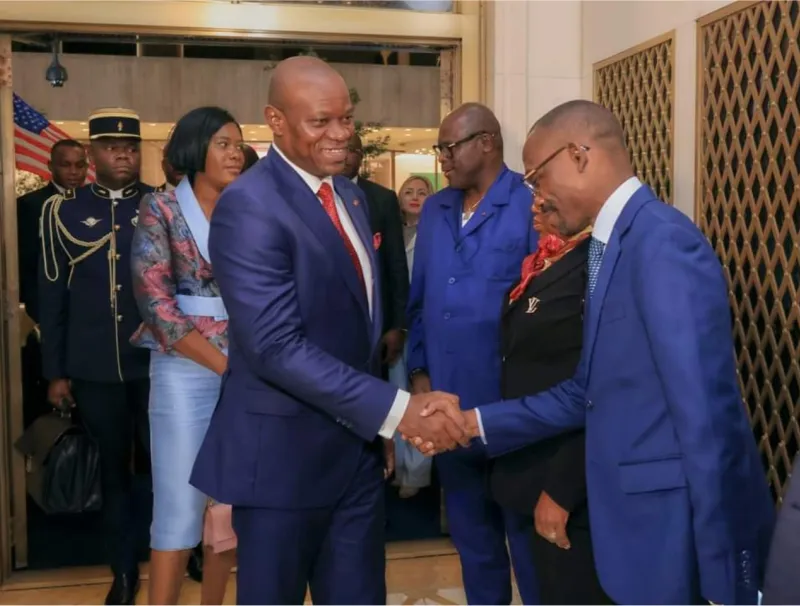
(478, 527)
(115, 414)
(338, 552)
(567, 576)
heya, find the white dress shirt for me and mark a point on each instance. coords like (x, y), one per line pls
(603, 226)
(400, 403)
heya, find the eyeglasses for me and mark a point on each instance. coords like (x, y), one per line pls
(446, 150)
(530, 177)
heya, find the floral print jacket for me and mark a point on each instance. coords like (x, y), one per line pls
(167, 263)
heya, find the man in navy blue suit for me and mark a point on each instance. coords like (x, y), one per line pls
(295, 442)
(679, 505)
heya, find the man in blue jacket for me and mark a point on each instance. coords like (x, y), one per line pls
(678, 500)
(471, 240)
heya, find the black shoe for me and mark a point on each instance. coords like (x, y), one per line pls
(195, 565)
(124, 589)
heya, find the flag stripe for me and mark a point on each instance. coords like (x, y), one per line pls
(34, 137)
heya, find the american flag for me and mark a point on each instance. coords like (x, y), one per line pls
(34, 136)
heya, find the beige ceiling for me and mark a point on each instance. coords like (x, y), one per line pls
(405, 140)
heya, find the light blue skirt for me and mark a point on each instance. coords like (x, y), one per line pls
(183, 396)
(412, 469)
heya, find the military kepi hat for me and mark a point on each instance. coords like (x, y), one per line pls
(114, 122)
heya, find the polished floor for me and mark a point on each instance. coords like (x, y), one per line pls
(418, 572)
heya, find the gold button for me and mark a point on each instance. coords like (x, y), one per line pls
(117, 257)
(116, 228)
(114, 203)
(119, 318)
(119, 287)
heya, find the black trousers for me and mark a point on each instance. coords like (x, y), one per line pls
(568, 576)
(115, 414)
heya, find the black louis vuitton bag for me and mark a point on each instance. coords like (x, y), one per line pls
(62, 464)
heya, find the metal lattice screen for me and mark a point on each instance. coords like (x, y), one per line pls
(748, 196)
(637, 86)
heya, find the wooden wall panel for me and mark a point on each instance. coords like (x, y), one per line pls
(638, 86)
(161, 89)
(748, 204)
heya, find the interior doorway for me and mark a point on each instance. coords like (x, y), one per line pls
(29, 539)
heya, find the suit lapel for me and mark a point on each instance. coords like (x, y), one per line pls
(607, 266)
(309, 209)
(361, 222)
(550, 276)
(611, 255)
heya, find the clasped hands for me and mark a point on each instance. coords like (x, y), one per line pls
(434, 423)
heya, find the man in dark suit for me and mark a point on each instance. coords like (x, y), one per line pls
(68, 167)
(386, 223)
(782, 583)
(295, 441)
(88, 315)
(679, 506)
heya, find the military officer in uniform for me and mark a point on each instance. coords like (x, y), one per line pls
(88, 315)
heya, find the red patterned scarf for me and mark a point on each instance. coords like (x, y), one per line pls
(551, 248)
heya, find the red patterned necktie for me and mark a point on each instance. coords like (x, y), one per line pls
(325, 194)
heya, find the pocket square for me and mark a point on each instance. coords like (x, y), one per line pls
(376, 241)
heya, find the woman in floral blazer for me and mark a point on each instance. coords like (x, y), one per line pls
(185, 325)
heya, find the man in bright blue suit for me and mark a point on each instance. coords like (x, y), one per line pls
(679, 505)
(295, 442)
(471, 240)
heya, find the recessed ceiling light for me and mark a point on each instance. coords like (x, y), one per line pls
(59, 123)
(152, 124)
(262, 126)
(408, 130)
(82, 123)
(387, 129)
(86, 130)
(408, 134)
(427, 130)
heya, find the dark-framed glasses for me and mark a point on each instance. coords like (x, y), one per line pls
(532, 175)
(446, 150)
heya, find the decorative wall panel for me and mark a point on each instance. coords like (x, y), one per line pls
(638, 86)
(748, 204)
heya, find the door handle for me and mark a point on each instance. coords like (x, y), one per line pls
(27, 325)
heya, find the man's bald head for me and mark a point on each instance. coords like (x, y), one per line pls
(473, 118)
(470, 147)
(585, 121)
(296, 72)
(574, 158)
(311, 115)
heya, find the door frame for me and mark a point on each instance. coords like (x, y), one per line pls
(465, 70)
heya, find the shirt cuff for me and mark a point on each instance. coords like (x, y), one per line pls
(395, 415)
(480, 424)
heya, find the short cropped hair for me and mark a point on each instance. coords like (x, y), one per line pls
(187, 147)
(62, 143)
(250, 157)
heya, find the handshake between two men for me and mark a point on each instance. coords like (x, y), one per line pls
(434, 423)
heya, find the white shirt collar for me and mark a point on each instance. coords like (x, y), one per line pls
(313, 182)
(355, 180)
(59, 188)
(612, 209)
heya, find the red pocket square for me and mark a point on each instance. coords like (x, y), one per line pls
(376, 241)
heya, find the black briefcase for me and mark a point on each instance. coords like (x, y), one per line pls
(62, 464)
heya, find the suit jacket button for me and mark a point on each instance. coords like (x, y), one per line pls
(119, 318)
